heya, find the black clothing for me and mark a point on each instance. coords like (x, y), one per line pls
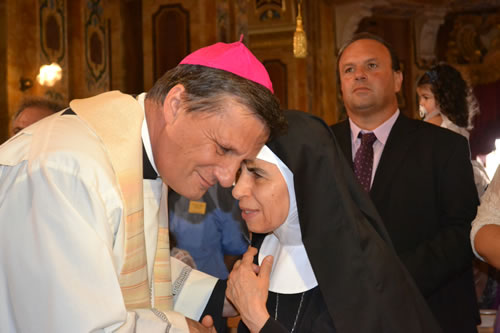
(363, 284)
(424, 190)
(312, 317)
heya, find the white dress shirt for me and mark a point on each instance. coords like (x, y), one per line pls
(382, 133)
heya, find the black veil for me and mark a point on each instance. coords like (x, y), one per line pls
(365, 286)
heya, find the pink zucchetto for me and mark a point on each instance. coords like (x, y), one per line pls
(234, 58)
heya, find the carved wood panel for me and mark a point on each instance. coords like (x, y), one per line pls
(170, 38)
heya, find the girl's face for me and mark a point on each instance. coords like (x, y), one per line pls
(426, 99)
(263, 195)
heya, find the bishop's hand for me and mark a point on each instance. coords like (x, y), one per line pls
(206, 326)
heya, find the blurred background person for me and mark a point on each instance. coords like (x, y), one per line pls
(210, 229)
(178, 253)
(31, 110)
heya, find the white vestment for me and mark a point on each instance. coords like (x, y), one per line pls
(61, 238)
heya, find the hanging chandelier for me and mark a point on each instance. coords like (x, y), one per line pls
(299, 36)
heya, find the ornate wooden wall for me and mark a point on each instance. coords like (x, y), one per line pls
(126, 55)
(395, 31)
(4, 114)
(471, 42)
(320, 21)
(53, 45)
(170, 38)
(194, 28)
(307, 84)
(89, 47)
(270, 32)
(79, 45)
(23, 55)
(127, 44)
(427, 32)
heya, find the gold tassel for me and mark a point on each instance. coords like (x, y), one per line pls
(299, 38)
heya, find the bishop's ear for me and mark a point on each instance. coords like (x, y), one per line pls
(172, 105)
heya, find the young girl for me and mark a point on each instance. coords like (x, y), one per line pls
(446, 100)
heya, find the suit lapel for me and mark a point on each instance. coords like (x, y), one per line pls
(342, 131)
(395, 150)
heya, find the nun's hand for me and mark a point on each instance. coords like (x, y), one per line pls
(247, 289)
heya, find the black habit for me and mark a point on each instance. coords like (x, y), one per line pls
(363, 286)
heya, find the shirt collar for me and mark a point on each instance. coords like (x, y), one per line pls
(381, 132)
(145, 133)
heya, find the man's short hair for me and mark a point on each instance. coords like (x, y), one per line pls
(206, 90)
(37, 102)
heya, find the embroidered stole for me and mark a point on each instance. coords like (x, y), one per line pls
(117, 118)
(161, 270)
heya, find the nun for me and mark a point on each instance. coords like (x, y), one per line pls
(321, 259)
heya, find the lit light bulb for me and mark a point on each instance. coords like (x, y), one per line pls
(493, 160)
(49, 74)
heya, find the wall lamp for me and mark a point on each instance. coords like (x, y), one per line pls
(25, 84)
(48, 76)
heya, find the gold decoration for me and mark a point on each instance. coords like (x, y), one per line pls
(473, 47)
(299, 38)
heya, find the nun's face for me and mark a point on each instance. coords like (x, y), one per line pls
(263, 195)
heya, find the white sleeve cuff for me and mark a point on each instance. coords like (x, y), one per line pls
(152, 321)
(191, 289)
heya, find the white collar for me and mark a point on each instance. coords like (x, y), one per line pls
(447, 123)
(292, 272)
(145, 134)
(381, 132)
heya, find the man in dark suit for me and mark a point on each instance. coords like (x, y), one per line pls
(419, 177)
